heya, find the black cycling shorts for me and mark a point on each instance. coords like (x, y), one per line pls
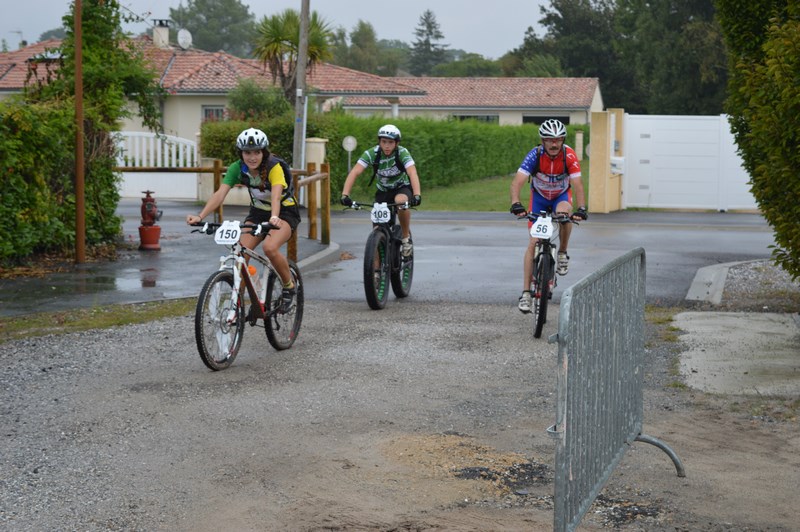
(389, 195)
(290, 215)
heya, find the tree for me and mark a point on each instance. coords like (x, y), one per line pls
(394, 57)
(340, 50)
(215, 25)
(763, 103)
(363, 48)
(55, 33)
(251, 101)
(426, 53)
(278, 43)
(37, 136)
(582, 35)
(540, 66)
(468, 66)
(677, 54)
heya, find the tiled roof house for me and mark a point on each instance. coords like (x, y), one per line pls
(500, 100)
(198, 83)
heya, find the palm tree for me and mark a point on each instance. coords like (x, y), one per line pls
(278, 42)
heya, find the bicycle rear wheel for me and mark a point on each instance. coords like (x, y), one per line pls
(403, 273)
(376, 269)
(283, 327)
(544, 271)
(218, 321)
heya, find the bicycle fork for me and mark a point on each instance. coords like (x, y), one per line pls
(552, 282)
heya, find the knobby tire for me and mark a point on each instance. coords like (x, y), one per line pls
(219, 321)
(544, 271)
(403, 270)
(282, 328)
(376, 269)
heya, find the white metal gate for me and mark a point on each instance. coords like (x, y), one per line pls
(145, 149)
(683, 162)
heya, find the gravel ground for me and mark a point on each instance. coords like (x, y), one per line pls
(760, 286)
(125, 429)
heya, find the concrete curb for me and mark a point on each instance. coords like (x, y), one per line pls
(709, 282)
(329, 254)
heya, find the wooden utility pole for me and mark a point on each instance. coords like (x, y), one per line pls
(298, 151)
(80, 207)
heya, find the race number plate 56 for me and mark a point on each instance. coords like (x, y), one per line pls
(228, 233)
(380, 213)
(542, 228)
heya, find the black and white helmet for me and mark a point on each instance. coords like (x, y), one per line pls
(389, 132)
(552, 129)
(252, 139)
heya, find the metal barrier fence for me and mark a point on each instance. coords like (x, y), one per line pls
(599, 383)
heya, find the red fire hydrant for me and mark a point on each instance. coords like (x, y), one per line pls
(149, 232)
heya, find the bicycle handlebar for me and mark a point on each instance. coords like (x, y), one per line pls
(356, 206)
(559, 218)
(254, 229)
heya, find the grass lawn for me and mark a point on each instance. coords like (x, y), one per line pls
(492, 194)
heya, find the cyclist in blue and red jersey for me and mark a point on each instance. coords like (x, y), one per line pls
(555, 176)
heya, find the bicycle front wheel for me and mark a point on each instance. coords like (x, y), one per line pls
(544, 271)
(218, 321)
(403, 272)
(376, 269)
(283, 327)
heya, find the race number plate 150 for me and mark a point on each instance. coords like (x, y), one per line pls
(228, 233)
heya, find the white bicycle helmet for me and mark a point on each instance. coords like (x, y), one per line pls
(252, 139)
(552, 129)
(389, 132)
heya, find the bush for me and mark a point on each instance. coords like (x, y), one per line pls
(445, 152)
(764, 103)
(250, 99)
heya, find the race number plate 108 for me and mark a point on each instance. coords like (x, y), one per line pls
(380, 213)
(542, 228)
(228, 233)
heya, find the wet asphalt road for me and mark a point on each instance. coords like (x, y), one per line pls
(460, 257)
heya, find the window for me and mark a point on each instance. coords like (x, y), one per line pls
(488, 119)
(539, 119)
(213, 112)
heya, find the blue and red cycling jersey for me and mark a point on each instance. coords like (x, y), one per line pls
(550, 176)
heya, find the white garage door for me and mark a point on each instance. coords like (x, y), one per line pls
(683, 162)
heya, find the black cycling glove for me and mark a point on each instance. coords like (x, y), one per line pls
(416, 200)
(346, 200)
(581, 213)
(517, 208)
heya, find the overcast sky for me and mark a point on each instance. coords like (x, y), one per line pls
(492, 30)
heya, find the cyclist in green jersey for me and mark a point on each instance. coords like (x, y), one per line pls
(397, 180)
(268, 179)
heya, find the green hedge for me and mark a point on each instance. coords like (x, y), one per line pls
(763, 102)
(445, 152)
(37, 170)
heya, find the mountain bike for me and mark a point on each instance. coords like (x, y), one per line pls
(546, 229)
(384, 264)
(231, 297)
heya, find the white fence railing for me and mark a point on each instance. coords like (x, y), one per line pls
(143, 149)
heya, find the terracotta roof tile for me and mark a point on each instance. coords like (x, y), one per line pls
(197, 71)
(14, 65)
(330, 79)
(487, 93)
